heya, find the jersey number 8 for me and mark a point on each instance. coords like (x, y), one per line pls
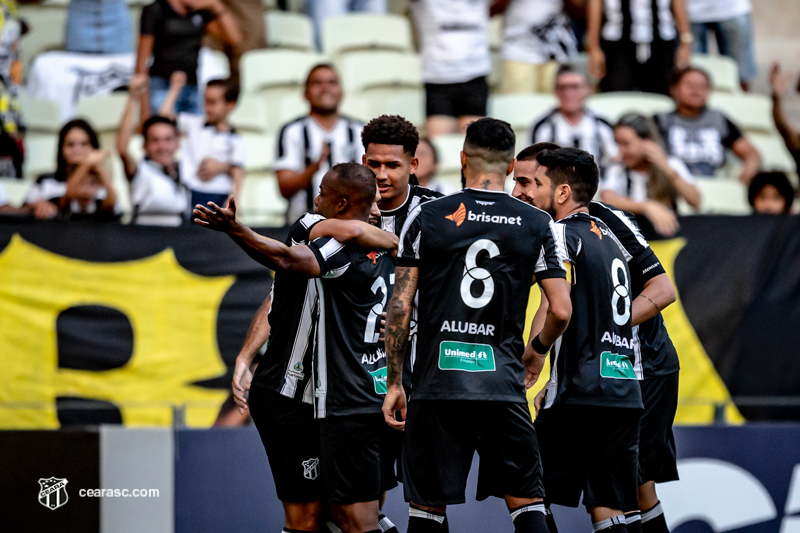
(473, 273)
(622, 291)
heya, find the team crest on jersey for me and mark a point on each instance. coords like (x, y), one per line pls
(297, 371)
(459, 215)
(311, 468)
(53, 492)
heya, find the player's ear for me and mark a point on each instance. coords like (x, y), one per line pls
(413, 166)
(511, 166)
(343, 204)
(364, 159)
(463, 159)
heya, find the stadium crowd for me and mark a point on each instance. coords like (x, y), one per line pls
(655, 161)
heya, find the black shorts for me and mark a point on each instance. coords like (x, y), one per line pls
(625, 73)
(657, 456)
(442, 436)
(358, 457)
(457, 99)
(593, 450)
(291, 439)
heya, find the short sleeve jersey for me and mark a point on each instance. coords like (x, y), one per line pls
(699, 142)
(652, 345)
(177, 39)
(593, 134)
(477, 253)
(203, 140)
(287, 366)
(351, 366)
(592, 363)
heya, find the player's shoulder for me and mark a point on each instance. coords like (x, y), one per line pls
(424, 194)
(300, 230)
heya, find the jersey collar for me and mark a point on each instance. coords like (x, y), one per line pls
(402, 206)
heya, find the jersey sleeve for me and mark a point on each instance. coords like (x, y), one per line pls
(289, 151)
(572, 246)
(150, 19)
(300, 231)
(410, 236)
(732, 134)
(333, 257)
(643, 262)
(238, 152)
(552, 261)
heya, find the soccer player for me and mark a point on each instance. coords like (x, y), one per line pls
(659, 360)
(588, 413)
(355, 281)
(474, 256)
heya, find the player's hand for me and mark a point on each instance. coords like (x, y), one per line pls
(394, 401)
(533, 365)
(211, 167)
(241, 383)
(537, 400)
(216, 217)
(664, 219)
(597, 63)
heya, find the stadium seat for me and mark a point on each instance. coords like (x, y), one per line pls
(15, 190)
(409, 103)
(40, 154)
(289, 30)
(448, 148)
(364, 31)
(289, 107)
(250, 115)
(40, 115)
(751, 112)
(357, 106)
(259, 151)
(520, 110)
(363, 71)
(774, 155)
(496, 33)
(720, 197)
(267, 69)
(723, 70)
(47, 30)
(261, 203)
(104, 114)
(613, 105)
(212, 64)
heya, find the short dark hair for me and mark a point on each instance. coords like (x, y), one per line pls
(529, 153)
(230, 90)
(157, 119)
(679, 74)
(489, 145)
(317, 67)
(574, 167)
(779, 180)
(434, 151)
(358, 184)
(391, 129)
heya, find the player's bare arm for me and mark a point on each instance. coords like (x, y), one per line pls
(398, 325)
(558, 310)
(355, 232)
(257, 335)
(269, 252)
(657, 294)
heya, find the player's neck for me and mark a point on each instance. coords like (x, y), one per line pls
(393, 203)
(570, 209)
(486, 182)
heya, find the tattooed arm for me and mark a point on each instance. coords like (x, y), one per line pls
(398, 324)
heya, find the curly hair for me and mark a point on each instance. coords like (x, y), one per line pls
(391, 129)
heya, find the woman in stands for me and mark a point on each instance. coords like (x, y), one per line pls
(80, 187)
(646, 181)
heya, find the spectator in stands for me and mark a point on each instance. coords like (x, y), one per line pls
(212, 163)
(98, 27)
(646, 181)
(779, 84)
(249, 16)
(310, 145)
(319, 10)
(771, 193)
(428, 159)
(537, 37)
(572, 123)
(171, 32)
(11, 127)
(158, 195)
(699, 135)
(80, 187)
(454, 43)
(632, 45)
(732, 25)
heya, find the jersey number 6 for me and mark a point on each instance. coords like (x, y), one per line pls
(473, 273)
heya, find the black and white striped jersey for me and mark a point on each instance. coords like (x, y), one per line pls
(393, 221)
(350, 365)
(477, 252)
(287, 366)
(593, 134)
(652, 345)
(592, 363)
(639, 21)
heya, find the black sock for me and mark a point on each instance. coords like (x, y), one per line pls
(615, 524)
(421, 521)
(529, 519)
(387, 526)
(633, 522)
(653, 520)
(551, 520)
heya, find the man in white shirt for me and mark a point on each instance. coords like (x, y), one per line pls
(454, 44)
(732, 25)
(537, 37)
(572, 123)
(309, 146)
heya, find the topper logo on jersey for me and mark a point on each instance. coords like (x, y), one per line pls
(458, 216)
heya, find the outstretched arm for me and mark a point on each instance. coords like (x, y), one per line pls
(269, 252)
(355, 232)
(398, 325)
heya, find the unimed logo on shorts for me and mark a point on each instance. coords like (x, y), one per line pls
(616, 366)
(467, 357)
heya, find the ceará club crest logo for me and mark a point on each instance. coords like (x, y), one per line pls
(53, 492)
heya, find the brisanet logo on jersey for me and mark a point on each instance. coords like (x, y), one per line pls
(53, 493)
